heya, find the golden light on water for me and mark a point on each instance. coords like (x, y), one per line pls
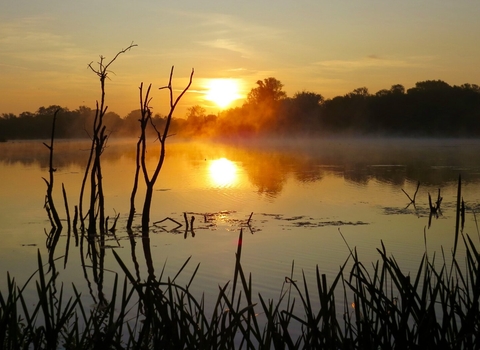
(223, 172)
(222, 91)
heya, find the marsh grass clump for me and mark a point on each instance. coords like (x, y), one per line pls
(384, 308)
(53, 322)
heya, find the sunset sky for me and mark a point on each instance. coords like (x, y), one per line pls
(327, 47)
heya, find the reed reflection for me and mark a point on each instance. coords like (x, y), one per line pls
(95, 253)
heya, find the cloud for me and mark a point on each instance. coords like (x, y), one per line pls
(374, 61)
(228, 24)
(27, 42)
(228, 44)
(234, 34)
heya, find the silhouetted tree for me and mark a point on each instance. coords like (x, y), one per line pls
(99, 139)
(195, 113)
(150, 179)
(7, 126)
(301, 114)
(397, 89)
(349, 113)
(388, 111)
(130, 123)
(263, 103)
(268, 91)
(49, 203)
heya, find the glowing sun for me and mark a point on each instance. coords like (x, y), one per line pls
(222, 91)
(223, 172)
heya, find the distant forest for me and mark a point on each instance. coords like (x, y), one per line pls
(432, 108)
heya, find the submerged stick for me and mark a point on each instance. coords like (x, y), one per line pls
(439, 200)
(113, 228)
(415, 194)
(435, 208)
(66, 207)
(432, 208)
(69, 225)
(476, 223)
(169, 218)
(412, 200)
(249, 218)
(457, 220)
(74, 224)
(192, 219)
(186, 221)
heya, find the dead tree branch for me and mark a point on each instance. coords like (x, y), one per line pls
(142, 150)
(99, 140)
(49, 204)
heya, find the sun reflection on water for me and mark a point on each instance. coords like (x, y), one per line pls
(223, 172)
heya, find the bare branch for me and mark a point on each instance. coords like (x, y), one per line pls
(141, 150)
(102, 70)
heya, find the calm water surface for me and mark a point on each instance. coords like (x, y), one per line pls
(304, 195)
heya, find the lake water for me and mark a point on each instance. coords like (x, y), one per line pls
(304, 195)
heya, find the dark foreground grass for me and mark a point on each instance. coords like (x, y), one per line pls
(438, 308)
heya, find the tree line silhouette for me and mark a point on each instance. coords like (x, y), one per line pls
(431, 108)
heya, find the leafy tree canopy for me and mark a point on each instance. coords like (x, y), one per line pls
(269, 90)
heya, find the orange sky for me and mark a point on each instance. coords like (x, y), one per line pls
(321, 46)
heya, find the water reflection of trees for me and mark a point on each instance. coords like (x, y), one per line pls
(95, 253)
(267, 172)
(308, 171)
(268, 167)
(67, 153)
(432, 162)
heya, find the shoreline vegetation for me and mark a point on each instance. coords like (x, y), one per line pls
(432, 108)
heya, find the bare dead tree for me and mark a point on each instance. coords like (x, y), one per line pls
(54, 234)
(99, 140)
(49, 204)
(141, 147)
(145, 120)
